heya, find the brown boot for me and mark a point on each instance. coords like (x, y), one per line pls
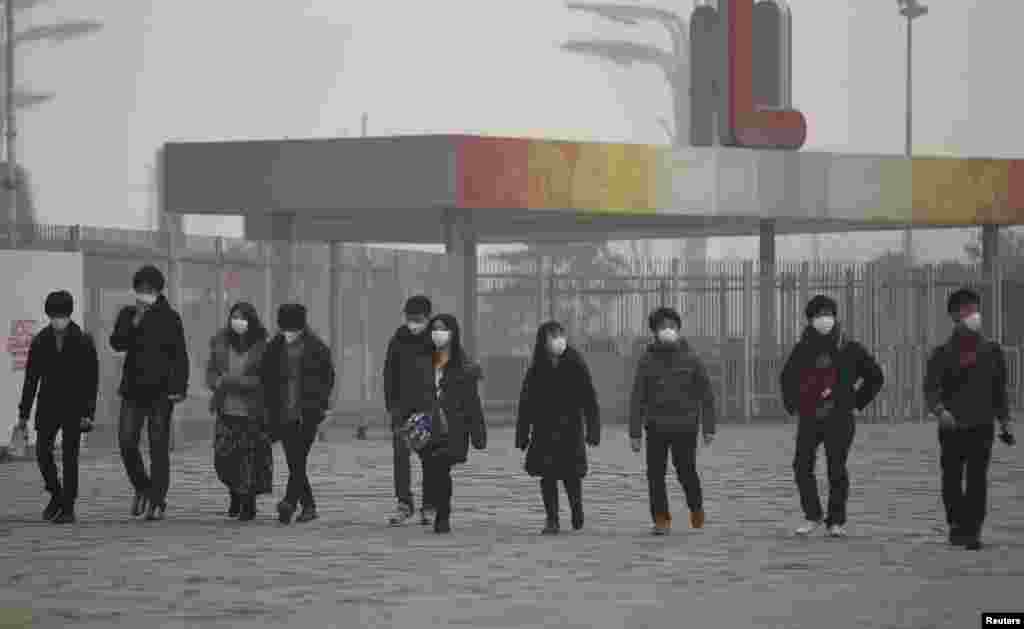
(697, 519)
(662, 524)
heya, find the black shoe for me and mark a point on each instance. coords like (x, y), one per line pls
(285, 511)
(957, 537)
(155, 512)
(235, 508)
(577, 518)
(973, 543)
(442, 526)
(246, 508)
(139, 504)
(52, 509)
(66, 516)
(308, 515)
(551, 527)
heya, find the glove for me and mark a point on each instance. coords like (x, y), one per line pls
(635, 444)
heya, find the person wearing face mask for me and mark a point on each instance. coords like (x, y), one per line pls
(408, 389)
(557, 418)
(673, 401)
(965, 389)
(297, 375)
(457, 417)
(154, 378)
(819, 384)
(63, 368)
(243, 458)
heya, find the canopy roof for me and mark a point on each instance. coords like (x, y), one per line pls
(392, 189)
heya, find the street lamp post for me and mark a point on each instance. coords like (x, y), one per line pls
(910, 9)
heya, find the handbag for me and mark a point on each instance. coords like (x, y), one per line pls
(417, 431)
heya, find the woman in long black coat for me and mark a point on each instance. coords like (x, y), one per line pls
(558, 417)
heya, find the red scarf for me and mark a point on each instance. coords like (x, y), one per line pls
(967, 344)
(814, 381)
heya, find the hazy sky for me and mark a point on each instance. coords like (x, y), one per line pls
(163, 70)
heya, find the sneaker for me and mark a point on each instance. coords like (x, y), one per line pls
(697, 519)
(52, 509)
(285, 511)
(308, 515)
(427, 516)
(808, 527)
(662, 525)
(402, 514)
(66, 516)
(836, 531)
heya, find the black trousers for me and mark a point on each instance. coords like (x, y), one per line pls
(837, 435)
(549, 492)
(437, 479)
(966, 452)
(683, 448)
(71, 441)
(157, 416)
(298, 439)
(403, 472)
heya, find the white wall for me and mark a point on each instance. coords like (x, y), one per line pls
(163, 70)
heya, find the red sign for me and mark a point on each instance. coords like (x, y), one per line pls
(19, 341)
(753, 127)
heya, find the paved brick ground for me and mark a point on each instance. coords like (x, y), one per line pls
(347, 570)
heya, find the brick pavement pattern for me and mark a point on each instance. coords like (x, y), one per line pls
(745, 569)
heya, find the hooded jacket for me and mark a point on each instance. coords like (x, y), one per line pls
(671, 392)
(408, 375)
(852, 363)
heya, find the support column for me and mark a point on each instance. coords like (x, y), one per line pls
(767, 340)
(990, 305)
(282, 270)
(461, 246)
(334, 313)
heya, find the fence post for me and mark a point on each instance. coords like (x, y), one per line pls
(723, 309)
(849, 297)
(334, 312)
(748, 330)
(174, 296)
(929, 315)
(552, 274)
(267, 257)
(218, 246)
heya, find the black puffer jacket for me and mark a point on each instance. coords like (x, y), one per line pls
(408, 375)
(156, 362)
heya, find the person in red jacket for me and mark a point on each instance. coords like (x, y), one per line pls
(965, 389)
(819, 385)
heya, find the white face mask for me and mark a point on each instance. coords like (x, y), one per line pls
(59, 323)
(240, 326)
(146, 299)
(668, 335)
(973, 322)
(290, 336)
(415, 326)
(557, 345)
(441, 338)
(824, 325)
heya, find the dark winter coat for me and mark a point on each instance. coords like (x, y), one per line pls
(975, 394)
(671, 392)
(67, 381)
(408, 375)
(852, 363)
(557, 416)
(315, 387)
(249, 385)
(459, 398)
(156, 363)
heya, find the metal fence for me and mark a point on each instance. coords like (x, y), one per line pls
(355, 293)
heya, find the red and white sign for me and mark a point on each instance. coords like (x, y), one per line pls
(19, 340)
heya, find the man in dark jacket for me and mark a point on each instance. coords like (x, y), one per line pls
(408, 389)
(64, 368)
(673, 400)
(965, 389)
(154, 379)
(298, 378)
(819, 384)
